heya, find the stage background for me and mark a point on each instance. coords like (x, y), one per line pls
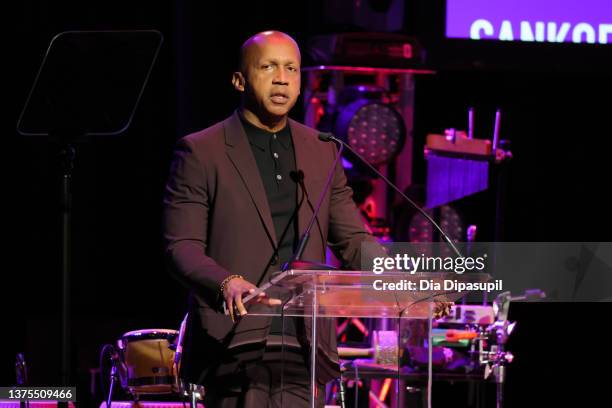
(556, 102)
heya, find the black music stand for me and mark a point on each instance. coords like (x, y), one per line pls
(89, 84)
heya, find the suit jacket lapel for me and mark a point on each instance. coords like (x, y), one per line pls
(241, 155)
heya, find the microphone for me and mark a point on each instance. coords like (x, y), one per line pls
(298, 178)
(328, 137)
(295, 262)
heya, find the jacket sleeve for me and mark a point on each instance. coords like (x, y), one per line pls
(347, 231)
(185, 223)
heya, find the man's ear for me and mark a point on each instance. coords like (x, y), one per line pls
(238, 81)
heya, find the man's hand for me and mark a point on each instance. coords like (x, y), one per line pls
(233, 292)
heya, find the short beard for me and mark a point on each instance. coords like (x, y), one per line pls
(249, 102)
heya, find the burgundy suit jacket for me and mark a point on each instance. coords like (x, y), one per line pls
(218, 222)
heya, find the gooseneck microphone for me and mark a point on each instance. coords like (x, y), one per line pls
(328, 137)
(295, 262)
(298, 178)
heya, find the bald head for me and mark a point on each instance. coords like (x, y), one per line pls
(252, 48)
(269, 77)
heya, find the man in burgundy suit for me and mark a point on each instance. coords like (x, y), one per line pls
(234, 212)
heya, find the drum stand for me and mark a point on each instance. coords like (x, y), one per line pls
(497, 358)
(194, 392)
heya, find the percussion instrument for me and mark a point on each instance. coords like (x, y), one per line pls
(147, 363)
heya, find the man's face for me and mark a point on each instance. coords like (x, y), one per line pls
(272, 82)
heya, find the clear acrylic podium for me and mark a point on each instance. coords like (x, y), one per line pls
(331, 293)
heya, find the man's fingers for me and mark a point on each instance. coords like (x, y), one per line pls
(233, 292)
(263, 298)
(239, 305)
(230, 306)
(268, 301)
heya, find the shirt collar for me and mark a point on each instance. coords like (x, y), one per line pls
(261, 138)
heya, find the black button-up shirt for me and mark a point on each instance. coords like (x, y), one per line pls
(275, 159)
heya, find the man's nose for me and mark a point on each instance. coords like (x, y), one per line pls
(281, 78)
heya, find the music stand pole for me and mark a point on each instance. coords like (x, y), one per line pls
(67, 156)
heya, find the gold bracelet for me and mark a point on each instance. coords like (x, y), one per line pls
(229, 278)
